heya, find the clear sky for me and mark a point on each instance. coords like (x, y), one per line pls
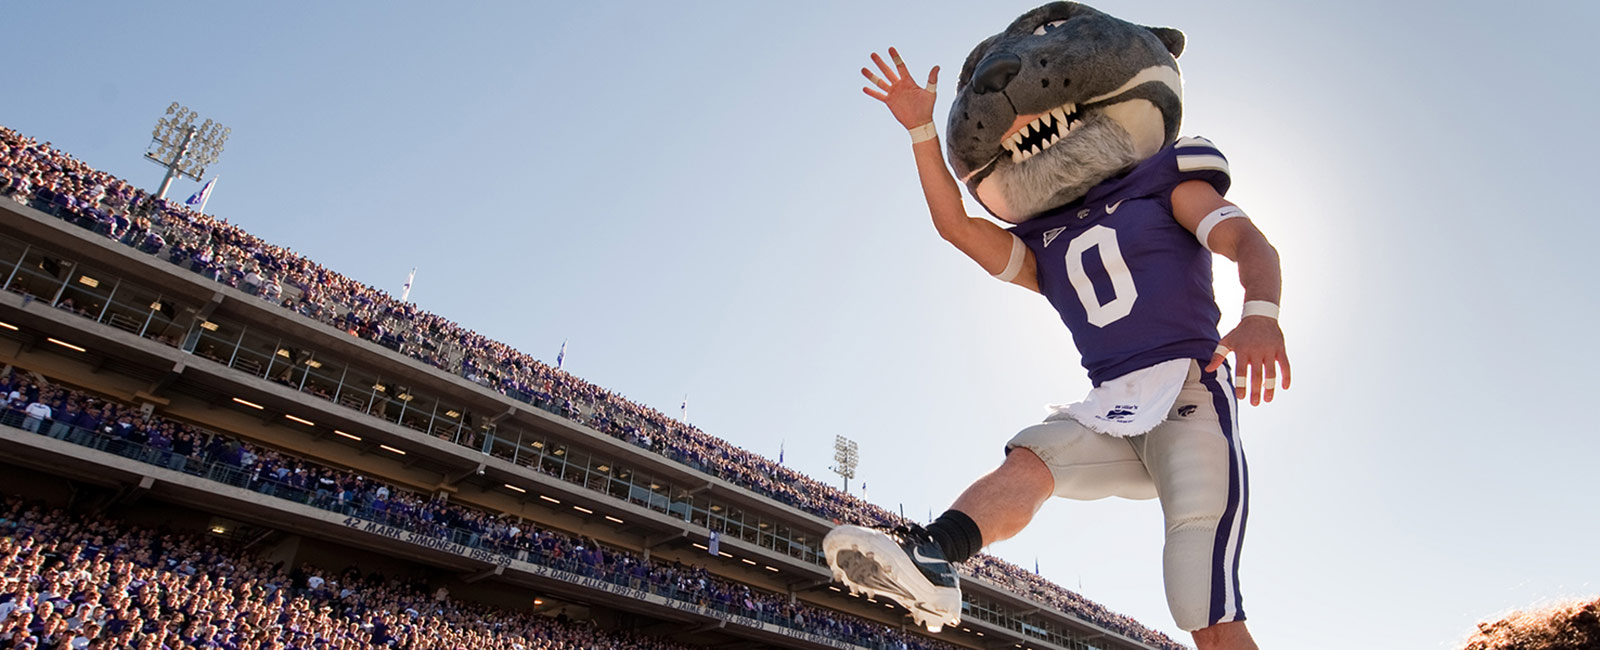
(699, 197)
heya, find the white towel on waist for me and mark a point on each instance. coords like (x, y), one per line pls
(1132, 404)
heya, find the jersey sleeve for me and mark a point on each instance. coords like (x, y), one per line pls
(1196, 158)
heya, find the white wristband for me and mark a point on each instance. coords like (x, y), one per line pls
(923, 133)
(1260, 308)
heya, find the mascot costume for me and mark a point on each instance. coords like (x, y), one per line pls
(1065, 126)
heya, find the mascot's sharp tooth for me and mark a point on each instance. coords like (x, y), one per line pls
(1045, 119)
(1059, 113)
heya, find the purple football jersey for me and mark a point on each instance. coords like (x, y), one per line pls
(1131, 283)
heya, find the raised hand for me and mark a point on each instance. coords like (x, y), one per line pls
(911, 104)
(1258, 354)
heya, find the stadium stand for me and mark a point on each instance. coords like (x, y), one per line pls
(119, 429)
(354, 378)
(73, 582)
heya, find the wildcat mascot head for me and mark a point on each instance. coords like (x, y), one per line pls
(1063, 99)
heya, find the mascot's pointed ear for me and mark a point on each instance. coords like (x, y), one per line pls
(1171, 38)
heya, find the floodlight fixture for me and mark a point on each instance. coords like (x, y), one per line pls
(845, 459)
(183, 148)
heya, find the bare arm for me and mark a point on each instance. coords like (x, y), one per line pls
(1257, 342)
(986, 243)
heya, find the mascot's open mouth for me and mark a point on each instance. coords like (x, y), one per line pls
(1046, 130)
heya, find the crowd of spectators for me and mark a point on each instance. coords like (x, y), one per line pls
(75, 582)
(42, 177)
(62, 413)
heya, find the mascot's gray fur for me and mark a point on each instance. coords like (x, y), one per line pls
(1093, 95)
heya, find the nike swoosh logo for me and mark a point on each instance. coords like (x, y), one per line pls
(1112, 207)
(916, 554)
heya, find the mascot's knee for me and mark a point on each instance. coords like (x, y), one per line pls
(1026, 463)
(1046, 440)
(1191, 617)
(1023, 457)
(1192, 511)
(1204, 523)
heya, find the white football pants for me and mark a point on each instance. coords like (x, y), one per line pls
(1195, 464)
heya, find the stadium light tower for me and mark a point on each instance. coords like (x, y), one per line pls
(845, 459)
(183, 148)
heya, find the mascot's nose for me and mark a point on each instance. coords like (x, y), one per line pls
(994, 72)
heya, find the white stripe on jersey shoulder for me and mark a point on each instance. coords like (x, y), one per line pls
(1201, 162)
(1193, 141)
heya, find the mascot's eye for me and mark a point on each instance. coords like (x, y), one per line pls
(1048, 27)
